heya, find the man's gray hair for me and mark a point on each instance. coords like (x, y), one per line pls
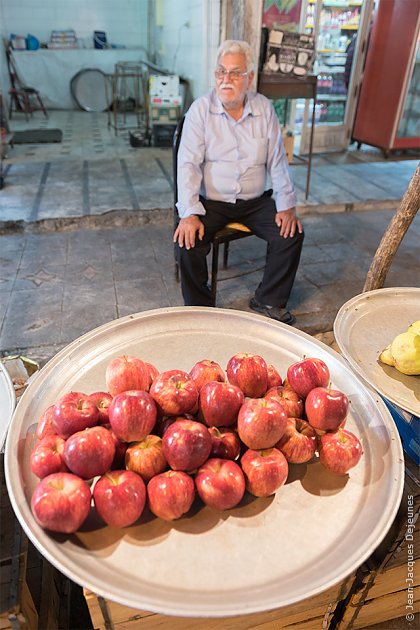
(235, 46)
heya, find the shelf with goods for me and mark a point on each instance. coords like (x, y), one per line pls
(409, 125)
(334, 22)
(339, 3)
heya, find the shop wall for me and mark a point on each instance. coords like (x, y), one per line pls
(182, 37)
(186, 39)
(125, 22)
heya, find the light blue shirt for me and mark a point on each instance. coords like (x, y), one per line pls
(224, 160)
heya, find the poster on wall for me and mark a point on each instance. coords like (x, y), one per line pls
(289, 54)
(282, 14)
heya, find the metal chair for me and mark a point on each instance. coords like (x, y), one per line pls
(22, 97)
(231, 232)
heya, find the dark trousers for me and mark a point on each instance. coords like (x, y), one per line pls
(282, 258)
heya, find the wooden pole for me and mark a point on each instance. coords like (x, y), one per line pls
(394, 234)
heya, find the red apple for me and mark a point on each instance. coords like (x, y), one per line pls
(249, 373)
(61, 502)
(274, 377)
(152, 371)
(170, 494)
(326, 409)
(126, 373)
(289, 400)
(132, 415)
(299, 441)
(146, 457)
(306, 375)
(225, 443)
(74, 412)
(186, 445)
(219, 403)
(261, 423)
(265, 471)
(45, 424)
(89, 453)
(164, 423)
(175, 393)
(120, 497)
(339, 451)
(220, 483)
(47, 456)
(205, 371)
(120, 448)
(102, 400)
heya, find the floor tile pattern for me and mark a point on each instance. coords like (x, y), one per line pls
(56, 286)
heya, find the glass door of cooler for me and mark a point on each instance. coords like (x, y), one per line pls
(408, 132)
(338, 26)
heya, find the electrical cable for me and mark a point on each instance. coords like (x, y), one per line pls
(186, 25)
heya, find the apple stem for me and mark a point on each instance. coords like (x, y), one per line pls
(112, 478)
(342, 436)
(57, 484)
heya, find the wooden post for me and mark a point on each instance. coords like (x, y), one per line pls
(394, 234)
(242, 19)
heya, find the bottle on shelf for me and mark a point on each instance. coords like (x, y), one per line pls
(330, 83)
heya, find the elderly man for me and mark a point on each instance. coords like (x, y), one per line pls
(231, 142)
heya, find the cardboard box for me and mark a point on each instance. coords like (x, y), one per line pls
(17, 608)
(310, 614)
(164, 86)
(288, 141)
(164, 115)
(163, 135)
(166, 101)
(390, 590)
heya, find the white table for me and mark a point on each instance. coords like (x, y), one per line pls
(51, 70)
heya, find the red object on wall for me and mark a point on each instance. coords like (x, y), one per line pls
(280, 13)
(388, 69)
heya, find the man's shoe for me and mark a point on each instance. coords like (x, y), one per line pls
(274, 312)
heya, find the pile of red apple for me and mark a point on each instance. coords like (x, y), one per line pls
(161, 439)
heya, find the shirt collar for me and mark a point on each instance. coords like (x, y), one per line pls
(252, 106)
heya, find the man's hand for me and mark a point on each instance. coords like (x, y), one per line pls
(186, 231)
(288, 223)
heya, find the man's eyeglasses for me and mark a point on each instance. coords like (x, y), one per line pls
(232, 75)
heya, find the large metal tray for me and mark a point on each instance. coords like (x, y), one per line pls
(264, 554)
(365, 325)
(7, 402)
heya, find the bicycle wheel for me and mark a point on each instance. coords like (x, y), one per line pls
(90, 89)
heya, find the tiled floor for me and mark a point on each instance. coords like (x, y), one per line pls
(90, 172)
(93, 171)
(92, 134)
(56, 286)
(85, 135)
(59, 279)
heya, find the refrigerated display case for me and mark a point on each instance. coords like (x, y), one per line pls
(336, 24)
(388, 109)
